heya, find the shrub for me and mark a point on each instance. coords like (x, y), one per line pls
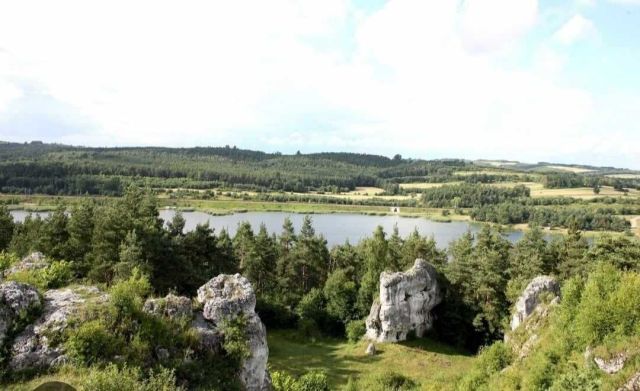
(355, 330)
(395, 382)
(282, 381)
(92, 342)
(127, 295)
(235, 337)
(55, 275)
(112, 378)
(313, 381)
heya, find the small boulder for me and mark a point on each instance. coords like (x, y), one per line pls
(612, 365)
(371, 350)
(530, 298)
(171, 306)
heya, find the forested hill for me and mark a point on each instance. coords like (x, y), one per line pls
(59, 169)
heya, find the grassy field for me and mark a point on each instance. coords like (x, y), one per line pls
(434, 365)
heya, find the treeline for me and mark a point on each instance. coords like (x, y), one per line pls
(64, 170)
(600, 219)
(469, 196)
(570, 180)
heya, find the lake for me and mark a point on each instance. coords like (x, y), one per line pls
(336, 228)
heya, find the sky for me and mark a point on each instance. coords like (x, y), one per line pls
(527, 80)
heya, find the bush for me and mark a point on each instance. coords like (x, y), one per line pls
(55, 275)
(112, 378)
(235, 338)
(355, 330)
(127, 295)
(282, 381)
(310, 381)
(395, 382)
(92, 342)
(313, 381)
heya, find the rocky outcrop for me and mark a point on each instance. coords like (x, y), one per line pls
(33, 347)
(228, 296)
(531, 298)
(17, 301)
(33, 261)
(406, 299)
(633, 384)
(171, 306)
(612, 365)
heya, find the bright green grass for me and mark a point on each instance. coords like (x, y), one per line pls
(434, 365)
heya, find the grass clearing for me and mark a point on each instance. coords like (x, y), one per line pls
(434, 365)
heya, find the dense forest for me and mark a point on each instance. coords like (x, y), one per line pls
(300, 282)
(65, 170)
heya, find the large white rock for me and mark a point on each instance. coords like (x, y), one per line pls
(530, 298)
(406, 299)
(227, 296)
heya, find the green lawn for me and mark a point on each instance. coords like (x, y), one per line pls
(434, 365)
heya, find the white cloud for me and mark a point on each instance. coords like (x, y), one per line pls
(575, 29)
(490, 24)
(626, 2)
(419, 77)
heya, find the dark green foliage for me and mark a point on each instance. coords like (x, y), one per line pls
(396, 382)
(6, 227)
(355, 330)
(235, 338)
(468, 195)
(59, 169)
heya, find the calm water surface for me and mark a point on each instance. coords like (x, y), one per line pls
(336, 228)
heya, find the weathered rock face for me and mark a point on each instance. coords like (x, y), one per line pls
(32, 261)
(611, 366)
(32, 348)
(16, 300)
(171, 306)
(406, 300)
(633, 384)
(530, 298)
(227, 296)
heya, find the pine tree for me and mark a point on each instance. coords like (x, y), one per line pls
(81, 225)
(130, 257)
(375, 256)
(6, 227)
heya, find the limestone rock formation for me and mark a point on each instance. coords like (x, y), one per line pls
(33, 261)
(16, 300)
(611, 366)
(406, 299)
(227, 296)
(530, 298)
(32, 348)
(633, 384)
(171, 306)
